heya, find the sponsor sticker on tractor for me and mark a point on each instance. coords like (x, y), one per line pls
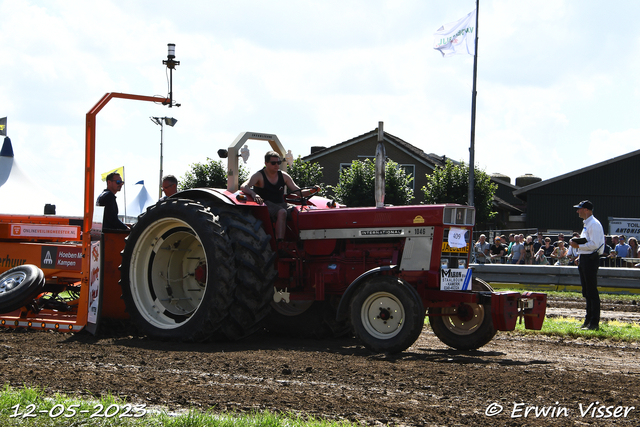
(61, 258)
(447, 248)
(70, 232)
(94, 283)
(455, 279)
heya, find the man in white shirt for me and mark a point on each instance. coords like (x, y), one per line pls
(590, 246)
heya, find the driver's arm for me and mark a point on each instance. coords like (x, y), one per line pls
(247, 187)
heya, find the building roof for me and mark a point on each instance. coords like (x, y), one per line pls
(497, 201)
(429, 160)
(522, 191)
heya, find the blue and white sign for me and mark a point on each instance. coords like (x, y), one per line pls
(455, 279)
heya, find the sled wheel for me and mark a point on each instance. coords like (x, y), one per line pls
(387, 315)
(177, 272)
(255, 272)
(466, 327)
(19, 285)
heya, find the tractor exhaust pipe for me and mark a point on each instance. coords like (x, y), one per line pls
(381, 155)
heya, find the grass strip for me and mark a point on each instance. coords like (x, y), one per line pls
(29, 407)
(568, 327)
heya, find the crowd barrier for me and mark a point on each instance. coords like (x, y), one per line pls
(604, 261)
(559, 277)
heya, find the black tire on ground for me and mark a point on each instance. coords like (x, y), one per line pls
(177, 272)
(467, 327)
(387, 315)
(19, 286)
(255, 272)
(307, 319)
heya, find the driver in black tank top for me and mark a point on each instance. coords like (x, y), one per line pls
(267, 185)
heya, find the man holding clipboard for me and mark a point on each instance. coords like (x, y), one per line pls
(590, 246)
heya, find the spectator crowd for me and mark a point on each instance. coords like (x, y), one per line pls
(543, 250)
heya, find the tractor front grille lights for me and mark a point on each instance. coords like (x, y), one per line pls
(459, 216)
(454, 257)
(444, 263)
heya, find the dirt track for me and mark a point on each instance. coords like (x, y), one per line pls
(429, 384)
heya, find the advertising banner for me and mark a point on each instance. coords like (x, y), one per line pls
(70, 232)
(627, 226)
(455, 279)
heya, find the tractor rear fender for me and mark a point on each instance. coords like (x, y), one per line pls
(343, 307)
(202, 193)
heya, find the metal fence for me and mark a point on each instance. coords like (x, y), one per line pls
(613, 277)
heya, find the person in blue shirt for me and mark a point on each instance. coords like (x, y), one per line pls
(622, 248)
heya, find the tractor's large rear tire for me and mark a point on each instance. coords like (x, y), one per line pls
(255, 272)
(19, 286)
(177, 272)
(466, 327)
(387, 314)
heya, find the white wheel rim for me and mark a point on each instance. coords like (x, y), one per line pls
(382, 315)
(163, 279)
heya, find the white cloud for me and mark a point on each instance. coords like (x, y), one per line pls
(604, 144)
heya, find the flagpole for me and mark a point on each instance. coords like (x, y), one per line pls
(473, 114)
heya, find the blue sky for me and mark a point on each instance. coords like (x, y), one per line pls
(558, 82)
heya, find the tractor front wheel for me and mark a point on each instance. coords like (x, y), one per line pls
(387, 315)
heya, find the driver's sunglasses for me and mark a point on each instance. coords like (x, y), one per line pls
(118, 182)
(276, 163)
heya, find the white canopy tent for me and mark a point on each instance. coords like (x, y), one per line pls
(139, 203)
(20, 195)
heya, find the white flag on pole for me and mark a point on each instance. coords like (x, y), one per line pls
(457, 37)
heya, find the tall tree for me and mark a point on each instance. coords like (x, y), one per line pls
(450, 184)
(356, 185)
(211, 173)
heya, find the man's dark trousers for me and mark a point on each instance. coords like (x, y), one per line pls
(588, 269)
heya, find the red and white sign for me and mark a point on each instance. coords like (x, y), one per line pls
(94, 284)
(71, 232)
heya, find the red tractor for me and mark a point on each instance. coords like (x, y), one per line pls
(203, 264)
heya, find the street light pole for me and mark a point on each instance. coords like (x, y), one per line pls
(161, 121)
